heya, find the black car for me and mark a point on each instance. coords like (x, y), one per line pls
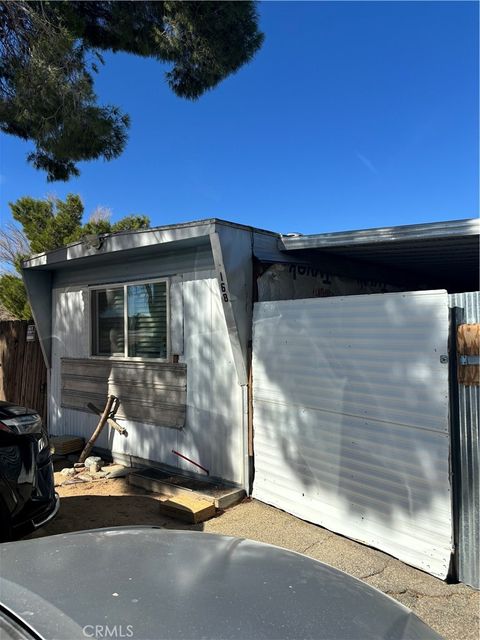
(27, 495)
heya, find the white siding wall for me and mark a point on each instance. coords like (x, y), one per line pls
(351, 419)
(213, 433)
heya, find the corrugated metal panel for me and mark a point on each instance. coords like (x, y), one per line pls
(213, 433)
(351, 419)
(402, 233)
(468, 457)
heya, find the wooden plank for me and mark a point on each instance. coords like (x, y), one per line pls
(84, 381)
(63, 445)
(221, 500)
(160, 415)
(75, 400)
(190, 508)
(26, 363)
(153, 393)
(87, 384)
(86, 367)
(153, 365)
(148, 395)
(4, 335)
(139, 383)
(468, 344)
(229, 499)
(18, 373)
(159, 374)
(155, 485)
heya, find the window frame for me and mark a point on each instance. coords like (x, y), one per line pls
(94, 320)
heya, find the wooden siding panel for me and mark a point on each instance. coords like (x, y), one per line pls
(148, 392)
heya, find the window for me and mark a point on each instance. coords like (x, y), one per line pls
(130, 321)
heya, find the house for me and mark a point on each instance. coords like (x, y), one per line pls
(161, 318)
(170, 319)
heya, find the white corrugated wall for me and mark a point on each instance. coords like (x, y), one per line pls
(213, 433)
(351, 419)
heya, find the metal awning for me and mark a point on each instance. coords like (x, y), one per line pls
(446, 254)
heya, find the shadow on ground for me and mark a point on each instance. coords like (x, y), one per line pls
(93, 511)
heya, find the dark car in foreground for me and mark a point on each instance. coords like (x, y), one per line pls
(27, 495)
(146, 582)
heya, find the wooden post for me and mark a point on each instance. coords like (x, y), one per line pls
(111, 422)
(103, 420)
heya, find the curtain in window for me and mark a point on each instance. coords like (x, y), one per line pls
(147, 320)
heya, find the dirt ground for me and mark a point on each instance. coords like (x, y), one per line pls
(105, 503)
(451, 609)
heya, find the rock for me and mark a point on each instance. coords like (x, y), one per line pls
(79, 465)
(68, 472)
(94, 467)
(117, 470)
(84, 477)
(94, 460)
(99, 474)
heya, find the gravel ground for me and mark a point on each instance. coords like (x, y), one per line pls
(451, 609)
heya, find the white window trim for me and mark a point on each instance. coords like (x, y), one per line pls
(124, 285)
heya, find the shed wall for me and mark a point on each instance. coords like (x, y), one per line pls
(213, 432)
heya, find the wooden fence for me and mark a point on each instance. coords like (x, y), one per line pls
(23, 375)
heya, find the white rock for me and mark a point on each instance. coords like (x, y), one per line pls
(94, 460)
(68, 472)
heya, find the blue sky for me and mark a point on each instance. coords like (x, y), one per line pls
(352, 115)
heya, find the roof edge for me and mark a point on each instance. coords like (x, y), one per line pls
(424, 231)
(159, 234)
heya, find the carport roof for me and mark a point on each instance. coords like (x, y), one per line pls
(439, 251)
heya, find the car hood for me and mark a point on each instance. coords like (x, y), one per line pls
(151, 583)
(9, 410)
